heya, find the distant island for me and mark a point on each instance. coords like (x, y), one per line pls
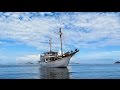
(117, 62)
(74, 63)
(29, 63)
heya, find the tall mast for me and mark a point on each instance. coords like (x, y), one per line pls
(50, 43)
(60, 32)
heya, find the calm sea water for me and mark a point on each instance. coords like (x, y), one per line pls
(74, 71)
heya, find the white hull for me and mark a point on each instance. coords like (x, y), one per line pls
(58, 63)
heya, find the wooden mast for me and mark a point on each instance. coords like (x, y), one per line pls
(50, 43)
(60, 32)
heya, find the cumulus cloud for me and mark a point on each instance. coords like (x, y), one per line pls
(80, 29)
(98, 57)
(1, 43)
(105, 55)
(28, 58)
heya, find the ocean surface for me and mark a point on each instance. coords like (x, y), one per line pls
(74, 71)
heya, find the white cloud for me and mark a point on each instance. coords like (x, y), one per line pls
(4, 59)
(27, 58)
(98, 57)
(80, 30)
(83, 29)
(1, 43)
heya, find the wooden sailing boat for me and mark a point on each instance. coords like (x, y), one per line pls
(53, 59)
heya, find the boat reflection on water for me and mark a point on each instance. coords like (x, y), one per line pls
(54, 73)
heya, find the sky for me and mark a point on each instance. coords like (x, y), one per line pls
(25, 35)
